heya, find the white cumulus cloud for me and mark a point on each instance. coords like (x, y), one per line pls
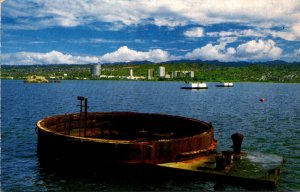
(53, 57)
(249, 51)
(238, 33)
(124, 54)
(212, 52)
(69, 13)
(194, 32)
(289, 33)
(169, 22)
(226, 40)
(259, 50)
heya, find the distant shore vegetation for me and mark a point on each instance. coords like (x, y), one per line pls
(286, 73)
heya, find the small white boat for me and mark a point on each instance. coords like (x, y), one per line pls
(226, 84)
(198, 85)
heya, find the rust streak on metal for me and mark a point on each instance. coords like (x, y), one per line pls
(156, 140)
(127, 137)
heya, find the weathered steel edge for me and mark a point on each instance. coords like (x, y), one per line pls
(40, 126)
(211, 176)
(132, 151)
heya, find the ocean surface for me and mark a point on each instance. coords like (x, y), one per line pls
(271, 127)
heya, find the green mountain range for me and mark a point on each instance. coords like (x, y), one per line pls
(274, 71)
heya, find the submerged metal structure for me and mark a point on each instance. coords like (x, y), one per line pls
(164, 142)
(125, 137)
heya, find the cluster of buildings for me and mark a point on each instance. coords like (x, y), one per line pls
(96, 73)
(174, 74)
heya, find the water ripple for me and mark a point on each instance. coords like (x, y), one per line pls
(270, 127)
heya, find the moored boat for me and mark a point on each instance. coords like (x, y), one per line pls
(225, 84)
(198, 85)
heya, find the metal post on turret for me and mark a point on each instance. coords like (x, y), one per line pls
(80, 98)
(85, 115)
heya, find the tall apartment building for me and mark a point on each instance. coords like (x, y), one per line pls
(161, 72)
(150, 73)
(131, 73)
(96, 70)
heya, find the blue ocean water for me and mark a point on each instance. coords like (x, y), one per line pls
(271, 127)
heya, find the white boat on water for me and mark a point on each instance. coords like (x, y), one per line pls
(225, 84)
(198, 85)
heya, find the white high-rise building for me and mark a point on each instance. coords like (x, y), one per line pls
(150, 73)
(131, 73)
(96, 70)
(161, 72)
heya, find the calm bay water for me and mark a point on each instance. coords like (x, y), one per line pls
(271, 127)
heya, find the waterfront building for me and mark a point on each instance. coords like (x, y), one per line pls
(131, 73)
(150, 73)
(161, 72)
(96, 70)
(189, 74)
(175, 74)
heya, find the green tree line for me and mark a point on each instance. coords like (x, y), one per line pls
(202, 71)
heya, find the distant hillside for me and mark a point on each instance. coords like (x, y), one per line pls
(214, 62)
(274, 71)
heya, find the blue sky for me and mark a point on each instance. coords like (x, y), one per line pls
(91, 31)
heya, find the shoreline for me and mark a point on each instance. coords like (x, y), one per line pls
(153, 80)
